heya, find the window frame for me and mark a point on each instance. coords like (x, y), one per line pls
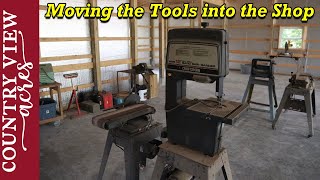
(303, 38)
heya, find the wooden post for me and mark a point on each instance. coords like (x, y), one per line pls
(166, 22)
(199, 13)
(134, 35)
(161, 46)
(95, 50)
(225, 20)
(274, 21)
(192, 20)
(152, 42)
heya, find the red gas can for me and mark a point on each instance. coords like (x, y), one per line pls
(107, 100)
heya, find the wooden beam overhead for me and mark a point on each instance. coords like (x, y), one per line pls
(249, 26)
(42, 7)
(115, 38)
(297, 25)
(109, 81)
(64, 58)
(144, 59)
(248, 52)
(148, 37)
(312, 41)
(64, 39)
(67, 89)
(250, 39)
(148, 49)
(215, 2)
(142, 26)
(115, 62)
(72, 67)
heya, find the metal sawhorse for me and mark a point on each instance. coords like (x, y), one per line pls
(308, 105)
(265, 72)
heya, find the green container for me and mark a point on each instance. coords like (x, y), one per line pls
(46, 74)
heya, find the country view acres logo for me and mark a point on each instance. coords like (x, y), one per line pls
(16, 95)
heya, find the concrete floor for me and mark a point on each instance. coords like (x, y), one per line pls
(74, 150)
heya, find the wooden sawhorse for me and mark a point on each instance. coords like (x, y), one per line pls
(193, 162)
(308, 105)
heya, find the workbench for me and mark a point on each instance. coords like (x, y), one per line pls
(54, 87)
(133, 78)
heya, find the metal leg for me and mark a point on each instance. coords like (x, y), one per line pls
(307, 99)
(226, 166)
(77, 103)
(270, 87)
(131, 156)
(105, 156)
(313, 96)
(250, 93)
(283, 102)
(244, 99)
(70, 101)
(158, 168)
(274, 94)
(51, 93)
(118, 82)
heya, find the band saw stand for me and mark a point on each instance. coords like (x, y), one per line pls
(262, 74)
(132, 130)
(301, 84)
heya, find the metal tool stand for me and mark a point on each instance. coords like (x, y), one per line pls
(308, 105)
(265, 78)
(131, 144)
(74, 91)
(195, 163)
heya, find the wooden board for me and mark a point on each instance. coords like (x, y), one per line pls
(64, 39)
(115, 62)
(65, 58)
(72, 67)
(153, 86)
